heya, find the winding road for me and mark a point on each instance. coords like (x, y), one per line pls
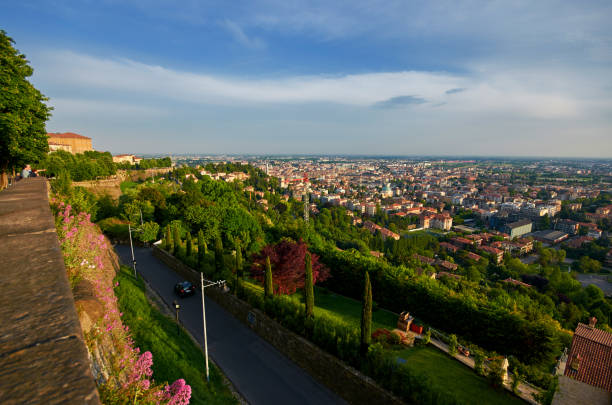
(259, 372)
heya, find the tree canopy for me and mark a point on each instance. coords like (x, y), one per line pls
(23, 112)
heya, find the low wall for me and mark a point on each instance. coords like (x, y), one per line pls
(43, 358)
(347, 382)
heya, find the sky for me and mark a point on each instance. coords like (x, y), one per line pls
(472, 78)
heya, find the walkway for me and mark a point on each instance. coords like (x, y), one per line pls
(259, 372)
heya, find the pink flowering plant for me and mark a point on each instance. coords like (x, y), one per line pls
(128, 372)
(81, 244)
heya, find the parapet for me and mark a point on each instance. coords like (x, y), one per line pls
(43, 357)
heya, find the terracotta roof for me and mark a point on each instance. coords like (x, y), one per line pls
(66, 135)
(590, 357)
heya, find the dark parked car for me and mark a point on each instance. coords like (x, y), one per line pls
(184, 289)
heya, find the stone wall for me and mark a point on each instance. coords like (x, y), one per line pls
(347, 382)
(43, 358)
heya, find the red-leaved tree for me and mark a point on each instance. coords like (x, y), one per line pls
(287, 259)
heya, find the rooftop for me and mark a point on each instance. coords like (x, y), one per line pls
(66, 135)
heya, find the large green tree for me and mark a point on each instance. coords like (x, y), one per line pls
(23, 112)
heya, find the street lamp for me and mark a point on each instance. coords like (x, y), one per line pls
(177, 306)
(132, 247)
(210, 284)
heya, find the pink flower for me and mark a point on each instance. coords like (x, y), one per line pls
(179, 393)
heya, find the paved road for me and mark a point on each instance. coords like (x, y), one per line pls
(260, 372)
(600, 280)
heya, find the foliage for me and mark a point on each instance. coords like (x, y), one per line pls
(23, 137)
(452, 344)
(114, 228)
(188, 245)
(219, 261)
(479, 362)
(89, 165)
(288, 258)
(495, 374)
(366, 314)
(308, 287)
(148, 232)
(268, 280)
(176, 355)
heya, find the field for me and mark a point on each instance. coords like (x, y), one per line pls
(174, 356)
(454, 377)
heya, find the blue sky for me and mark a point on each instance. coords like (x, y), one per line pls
(351, 77)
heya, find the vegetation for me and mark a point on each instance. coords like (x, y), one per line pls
(309, 287)
(176, 356)
(366, 314)
(23, 137)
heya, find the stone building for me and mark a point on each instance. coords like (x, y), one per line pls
(69, 141)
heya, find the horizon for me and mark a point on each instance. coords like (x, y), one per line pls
(348, 78)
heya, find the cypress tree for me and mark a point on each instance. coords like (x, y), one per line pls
(238, 258)
(268, 282)
(219, 264)
(200, 248)
(188, 245)
(308, 287)
(366, 315)
(168, 241)
(176, 240)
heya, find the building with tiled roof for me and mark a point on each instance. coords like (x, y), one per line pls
(590, 357)
(77, 143)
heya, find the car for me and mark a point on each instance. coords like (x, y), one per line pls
(184, 289)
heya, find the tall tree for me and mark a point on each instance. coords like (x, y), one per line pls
(219, 263)
(366, 314)
(201, 249)
(268, 282)
(176, 240)
(188, 245)
(168, 239)
(23, 113)
(308, 287)
(238, 258)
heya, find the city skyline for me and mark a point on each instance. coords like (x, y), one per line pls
(358, 78)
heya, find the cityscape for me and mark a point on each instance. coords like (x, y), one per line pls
(305, 202)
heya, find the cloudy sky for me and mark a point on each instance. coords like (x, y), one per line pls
(404, 77)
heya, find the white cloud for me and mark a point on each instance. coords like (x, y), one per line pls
(527, 93)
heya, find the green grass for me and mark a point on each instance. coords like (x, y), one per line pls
(340, 308)
(174, 356)
(454, 377)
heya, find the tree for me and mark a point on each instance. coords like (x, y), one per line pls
(268, 282)
(238, 258)
(452, 345)
(23, 136)
(148, 232)
(176, 239)
(188, 245)
(308, 287)
(201, 248)
(168, 241)
(219, 263)
(288, 258)
(366, 314)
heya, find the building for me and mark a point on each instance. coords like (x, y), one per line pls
(75, 143)
(54, 146)
(126, 158)
(442, 221)
(568, 226)
(518, 228)
(550, 236)
(498, 254)
(590, 356)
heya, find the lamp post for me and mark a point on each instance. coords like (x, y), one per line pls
(210, 284)
(132, 245)
(177, 306)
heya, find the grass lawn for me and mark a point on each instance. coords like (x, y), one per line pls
(455, 378)
(174, 356)
(341, 308)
